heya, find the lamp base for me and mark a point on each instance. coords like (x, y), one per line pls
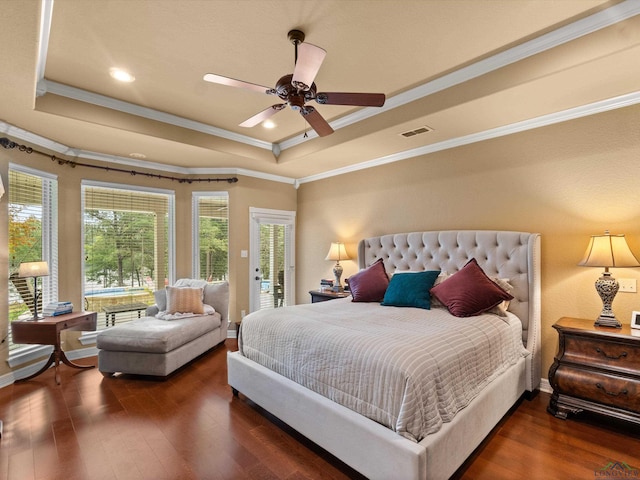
(607, 321)
(607, 287)
(337, 273)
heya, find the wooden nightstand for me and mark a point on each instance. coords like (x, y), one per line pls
(596, 369)
(323, 296)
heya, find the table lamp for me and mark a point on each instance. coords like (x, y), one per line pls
(336, 253)
(34, 270)
(608, 251)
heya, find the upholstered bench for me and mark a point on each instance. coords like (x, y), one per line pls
(159, 346)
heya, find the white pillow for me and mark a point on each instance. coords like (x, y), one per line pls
(184, 300)
(161, 299)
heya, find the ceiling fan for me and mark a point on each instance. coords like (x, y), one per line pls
(298, 88)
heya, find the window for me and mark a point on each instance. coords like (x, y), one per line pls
(33, 237)
(128, 245)
(211, 235)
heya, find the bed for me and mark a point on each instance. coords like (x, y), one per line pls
(416, 440)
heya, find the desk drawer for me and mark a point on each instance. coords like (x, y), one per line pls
(33, 333)
(611, 355)
(600, 387)
(85, 323)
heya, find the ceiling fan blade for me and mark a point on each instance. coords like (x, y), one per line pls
(356, 99)
(263, 115)
(309, 60)
(232, 82)
(317, 122)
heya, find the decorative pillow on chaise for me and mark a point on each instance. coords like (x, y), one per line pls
(410, 289)
(470, 291)
(184, 300)
(370, 284)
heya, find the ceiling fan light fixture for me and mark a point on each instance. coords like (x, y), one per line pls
(121, 75)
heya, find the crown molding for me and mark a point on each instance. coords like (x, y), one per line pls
(48, 86)
(573, 31)
(530, 124)
(40, 141)
(613, 103)
(585, 26)
(599, 20)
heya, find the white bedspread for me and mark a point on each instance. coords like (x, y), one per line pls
(406, 368)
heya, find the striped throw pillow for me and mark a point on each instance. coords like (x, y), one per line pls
(184, 300)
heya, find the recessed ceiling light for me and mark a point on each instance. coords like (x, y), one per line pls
(138, 155)
(121, 75)
(268, 124)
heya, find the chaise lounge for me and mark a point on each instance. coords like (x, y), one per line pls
(188, 319)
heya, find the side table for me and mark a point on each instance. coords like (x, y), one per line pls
(46, 331)
(596, 369)
(324, 295)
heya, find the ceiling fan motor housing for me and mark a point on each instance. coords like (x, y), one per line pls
(290, 94)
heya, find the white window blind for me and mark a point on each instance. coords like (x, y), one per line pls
(211, 235)
(32, 238)
(128, 242)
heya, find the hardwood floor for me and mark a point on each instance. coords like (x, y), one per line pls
(191, 427)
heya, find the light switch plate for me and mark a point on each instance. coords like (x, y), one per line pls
(627, 285)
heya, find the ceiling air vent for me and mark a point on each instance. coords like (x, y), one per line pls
(417, 131)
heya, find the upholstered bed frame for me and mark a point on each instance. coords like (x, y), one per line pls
(370, 448)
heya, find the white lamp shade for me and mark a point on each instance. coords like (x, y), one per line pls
(608, 251)
(33, 269)
(337, 252)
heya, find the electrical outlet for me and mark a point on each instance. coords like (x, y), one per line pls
(243, 313)
(627, 285)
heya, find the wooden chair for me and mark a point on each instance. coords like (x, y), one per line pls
(24, 290)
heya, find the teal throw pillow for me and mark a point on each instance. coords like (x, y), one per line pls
(410, 289)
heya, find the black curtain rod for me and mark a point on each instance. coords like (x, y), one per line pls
(9, 144)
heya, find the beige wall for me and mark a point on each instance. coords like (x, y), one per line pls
(566, 182)
(247, 192)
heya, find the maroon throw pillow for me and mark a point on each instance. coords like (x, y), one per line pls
(469, 292)
(370, 284)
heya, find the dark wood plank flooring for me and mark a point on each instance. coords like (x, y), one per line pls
(191, 427)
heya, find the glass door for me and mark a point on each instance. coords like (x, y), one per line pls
(272, 256)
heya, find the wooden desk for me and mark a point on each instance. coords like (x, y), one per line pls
(46, 331)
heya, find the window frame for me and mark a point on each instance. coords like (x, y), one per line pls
(195, 229)
(89, 337)
(49, 244)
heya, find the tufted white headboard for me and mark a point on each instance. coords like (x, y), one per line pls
(512, 255)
